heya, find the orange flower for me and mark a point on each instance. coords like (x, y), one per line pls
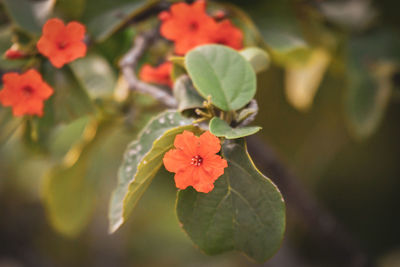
(25, 92)
(60, 43)
(226, 33)
(194, 161)
(160, 74)
(186, 25)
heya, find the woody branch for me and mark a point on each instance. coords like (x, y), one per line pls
(324, 226)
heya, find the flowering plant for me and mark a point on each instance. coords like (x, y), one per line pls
(174, 84)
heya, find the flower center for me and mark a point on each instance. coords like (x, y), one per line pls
(62, 45)
(27, 90)
(197, 161)
(193, 26)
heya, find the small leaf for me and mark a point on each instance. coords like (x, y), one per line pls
(141, 162)
(95, 75)
(258, 58)
(302, 79)
(186, 94)
(244, 212)
(220, 128)
(222, 73)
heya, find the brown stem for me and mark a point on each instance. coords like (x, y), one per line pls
(128, 65)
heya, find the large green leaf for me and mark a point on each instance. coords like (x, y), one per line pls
(29, 15)
(244, 212)
(95, 75)
(69, 191)
(186, 94)
(8, 124)
(222, 73)
(141, 162)
(220, 128)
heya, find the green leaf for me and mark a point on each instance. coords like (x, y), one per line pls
(221, 128)
(69, 101)
(244, 212)
(141, 162)
(370, 80)
(29, 15)
(258, 58)
(104, 17)
(186, 94)
(302, 79)
(8, 124)
(69, 191)
(95, 75)
(71, 8)
(223, 74)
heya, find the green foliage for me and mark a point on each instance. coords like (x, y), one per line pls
(186, 94)
(258, 58)
(370, 82)
(95, 75)
(69, 192)
(221, 128)
(223, 74)
(141, 162)
(244, 212)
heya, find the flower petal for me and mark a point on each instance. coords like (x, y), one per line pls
(176, 160)
(214, 165)
(188, 143)
(52, 28)
(209, 144)
(75, 31)
(184, 178)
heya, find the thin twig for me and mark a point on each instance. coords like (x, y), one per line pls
(128, 65)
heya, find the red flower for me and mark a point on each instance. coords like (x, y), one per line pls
(160, 74)
(60, 43)
(226, 33)
(25, 92)
(186, 25)
(194, 161)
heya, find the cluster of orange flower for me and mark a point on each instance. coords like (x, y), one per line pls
(26, 92)
(189, 26)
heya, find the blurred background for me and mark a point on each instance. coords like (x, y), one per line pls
(329, 107)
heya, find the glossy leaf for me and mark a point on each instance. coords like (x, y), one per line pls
(302, 79)
(258, 58)
(95, 75)
(186, 94)
(244, 212)
(141, 162)
(223, 74)
(220, 128)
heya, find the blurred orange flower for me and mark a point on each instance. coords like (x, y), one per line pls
(194, 161)
(60, 43)
(226, 33)
(13, 53)
(189, 26)
(25, 92)
(160, 74)
(186, 25)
